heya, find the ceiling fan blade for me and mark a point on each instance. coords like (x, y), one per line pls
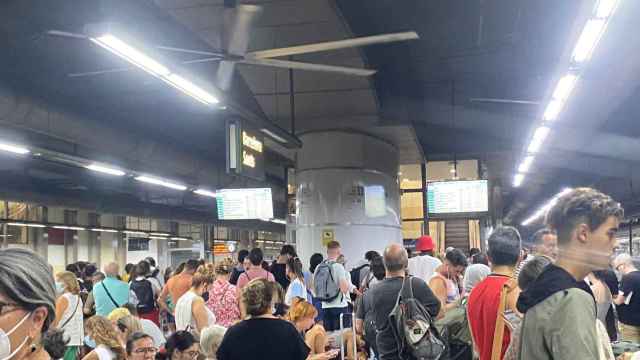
(310, 67)
(504, 101)
(236, 40)
(333, 45)
(65, 34)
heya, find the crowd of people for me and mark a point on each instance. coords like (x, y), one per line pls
(565, 299)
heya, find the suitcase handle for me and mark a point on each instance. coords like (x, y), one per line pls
(355, 341)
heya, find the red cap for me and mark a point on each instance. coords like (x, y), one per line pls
(424, 243)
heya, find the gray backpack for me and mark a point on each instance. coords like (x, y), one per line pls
(416, 336)
(325, 286)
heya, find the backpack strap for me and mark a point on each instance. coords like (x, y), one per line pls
(498, 331)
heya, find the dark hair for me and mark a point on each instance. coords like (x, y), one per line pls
(473, 251)
(537, 237)
(256, 256)
(133, 310)
(179, 269)
(314, 261)
(73, 268)
(294, 265)
(242, 254)
(180, 341)
(90, 270)
(370, 255)
(265, 266)
(151, 261)
(581, 205)
(531, 270)
(128, 268)
(135, 337)
(333, 245)
(480, 258)
(288, 250)
(143, 268)
(456, 257)
(191, 265)
(377, 267)
(504, 246)
(99, 274)
(257, 297)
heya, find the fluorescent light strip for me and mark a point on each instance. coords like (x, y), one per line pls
(588, 39)
(538, 139)
(159, 234)
(553, 110)
(156, 181)
(130, 54)
(77, 228)
(543, 210)
(105, 170)
(159, 237)
(14, 149)
(526, 164)
(178, 238)
(129, 232)
(190, 89)
(26, 224)
(274, 136)
(518, 179)
(104, 230)
(606, 8)
(564, 87)
(205, 192)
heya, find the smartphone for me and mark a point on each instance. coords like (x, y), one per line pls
(333, 353)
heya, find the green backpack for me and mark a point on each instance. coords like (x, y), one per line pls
(456, 324)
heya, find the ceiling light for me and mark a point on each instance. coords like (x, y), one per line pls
(139, 233)
(564, 87)
(588, 39)
(26, 224)
(191, 89)
(159, 237)
(204, 192)
(159, 234)
(179, 238)
(77, 228)
(130, 54)
(543, 210)
(518, 179)
(274, 136)
(14, 149)
(156, 181)
(606, 8)
(553, 110)
(538, 139)
(104, 230)
(452, 170)
(526, 164)
(105, 170)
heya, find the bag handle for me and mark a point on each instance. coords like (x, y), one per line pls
(109, 294)
(498, 331)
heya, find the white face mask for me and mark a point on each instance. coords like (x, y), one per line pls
(5, 342)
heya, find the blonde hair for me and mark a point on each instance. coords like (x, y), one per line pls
(104, 333)
(257, 297)
(210, 340)
(117, 314)
(301, 309)
(224, 267)
(70, 281)
(129, 325)
(204, 275)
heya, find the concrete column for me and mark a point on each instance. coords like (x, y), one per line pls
(347, 190)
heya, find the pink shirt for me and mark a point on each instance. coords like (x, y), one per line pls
(253, 273)
(224, 303)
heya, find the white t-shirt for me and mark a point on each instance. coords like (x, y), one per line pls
(295, 289)
(339, 274)
(423, 266)
(184, 313)
(104, 353)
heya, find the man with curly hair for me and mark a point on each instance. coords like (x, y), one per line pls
(559, 308)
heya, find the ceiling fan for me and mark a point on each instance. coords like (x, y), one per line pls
(236, 41)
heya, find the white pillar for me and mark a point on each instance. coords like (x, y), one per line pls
(346, 186)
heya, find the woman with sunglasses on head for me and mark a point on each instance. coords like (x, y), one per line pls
(182, 345)
(27, 308)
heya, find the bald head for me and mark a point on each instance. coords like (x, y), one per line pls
(111, 270)
(396, 258)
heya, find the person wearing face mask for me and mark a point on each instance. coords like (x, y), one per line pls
(27, 308)
(191, 312)
(445, 282)
(69, 312)
(108, 345)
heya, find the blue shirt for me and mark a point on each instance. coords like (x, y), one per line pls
(119, 291)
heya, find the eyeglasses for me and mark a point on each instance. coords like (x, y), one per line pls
(148, 350)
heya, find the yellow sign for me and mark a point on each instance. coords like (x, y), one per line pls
(327, 236)
(248, 159)
(251, 142)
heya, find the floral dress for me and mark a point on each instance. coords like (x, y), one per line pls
(223, 302)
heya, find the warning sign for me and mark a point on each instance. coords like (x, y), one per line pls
(327, 236)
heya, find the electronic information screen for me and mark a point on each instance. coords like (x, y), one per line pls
(244, 204)
(448, 197)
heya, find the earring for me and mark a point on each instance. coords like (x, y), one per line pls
(34, 347)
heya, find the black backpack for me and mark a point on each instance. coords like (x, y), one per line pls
(355, 275)
(144, 293)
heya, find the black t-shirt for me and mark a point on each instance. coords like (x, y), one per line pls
(630, 314)
(384, 296)
(279, 272)
(235, 274)
(262, 338)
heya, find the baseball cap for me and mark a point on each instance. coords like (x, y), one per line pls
(424, 243)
